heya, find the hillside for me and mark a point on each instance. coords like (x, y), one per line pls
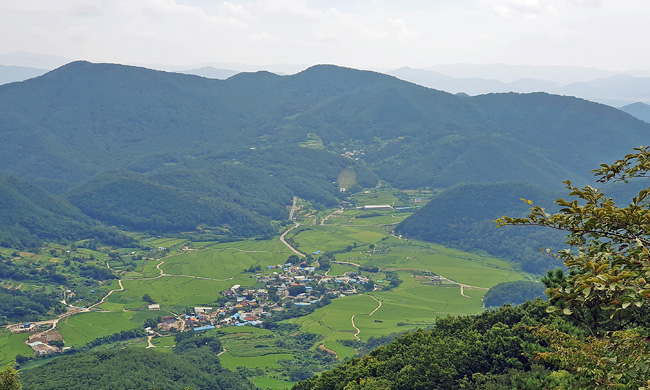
(29, 215)
(83, 119)
(463, 217)
(492, 350)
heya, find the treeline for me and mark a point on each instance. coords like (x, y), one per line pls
(119, 336)
(463, 217)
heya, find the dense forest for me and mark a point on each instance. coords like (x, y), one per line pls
(29, 215)
(17, 305)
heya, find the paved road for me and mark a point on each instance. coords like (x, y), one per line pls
(287, 244)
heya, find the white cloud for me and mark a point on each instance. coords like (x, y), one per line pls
(371, 33)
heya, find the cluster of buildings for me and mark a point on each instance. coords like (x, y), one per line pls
(352, 154)
(290, 284)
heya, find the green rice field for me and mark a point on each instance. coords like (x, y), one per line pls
(12, 345)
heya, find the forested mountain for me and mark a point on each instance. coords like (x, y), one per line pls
(29, 215)
(83, 119)
(168, 152)
(463, 217)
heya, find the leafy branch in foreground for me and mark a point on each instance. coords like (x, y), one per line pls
(606, 290)
(610, 265)
(9, 379)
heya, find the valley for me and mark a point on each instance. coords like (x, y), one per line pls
(358, 244)
(281, 226)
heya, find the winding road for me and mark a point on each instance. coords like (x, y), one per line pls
(294, 250)
(356, 335)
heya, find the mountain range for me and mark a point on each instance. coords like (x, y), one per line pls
(108, 134)
(613, 89)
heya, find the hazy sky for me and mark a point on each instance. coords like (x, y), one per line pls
(373, 34)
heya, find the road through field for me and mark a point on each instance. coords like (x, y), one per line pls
(355, 327)
(294, 250)
(378, 306)
(371, 313)
(108, 295)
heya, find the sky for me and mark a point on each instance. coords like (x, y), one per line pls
(368, 34)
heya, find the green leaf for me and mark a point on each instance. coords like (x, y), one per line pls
(551, 309)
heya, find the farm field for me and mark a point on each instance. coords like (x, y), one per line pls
(169, 290)
(226, 260)
(80, 329)
(12, 345)
(255, 348)
(347, 178)
(334, 237)
(377, 196)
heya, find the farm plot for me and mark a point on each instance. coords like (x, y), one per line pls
(378, 196)
(334, 321)
(334, 237)
(227, 260)
(79, 329)
(462, 267)
(12, 345)
(347, 178)
(169, 290)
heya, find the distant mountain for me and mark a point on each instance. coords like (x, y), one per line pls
(509, 73)
(623, 88)
(83, 119)
(613, 90)
(33, 60)
(639, 110)
(470, 85)
(211, 72)
(10, 74)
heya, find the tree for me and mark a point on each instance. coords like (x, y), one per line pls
(295, 290)
(56, 343)
(9, 379)
(607, 288)
(147, 298)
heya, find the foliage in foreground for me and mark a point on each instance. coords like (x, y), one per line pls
(606, 291)
(9, 379)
